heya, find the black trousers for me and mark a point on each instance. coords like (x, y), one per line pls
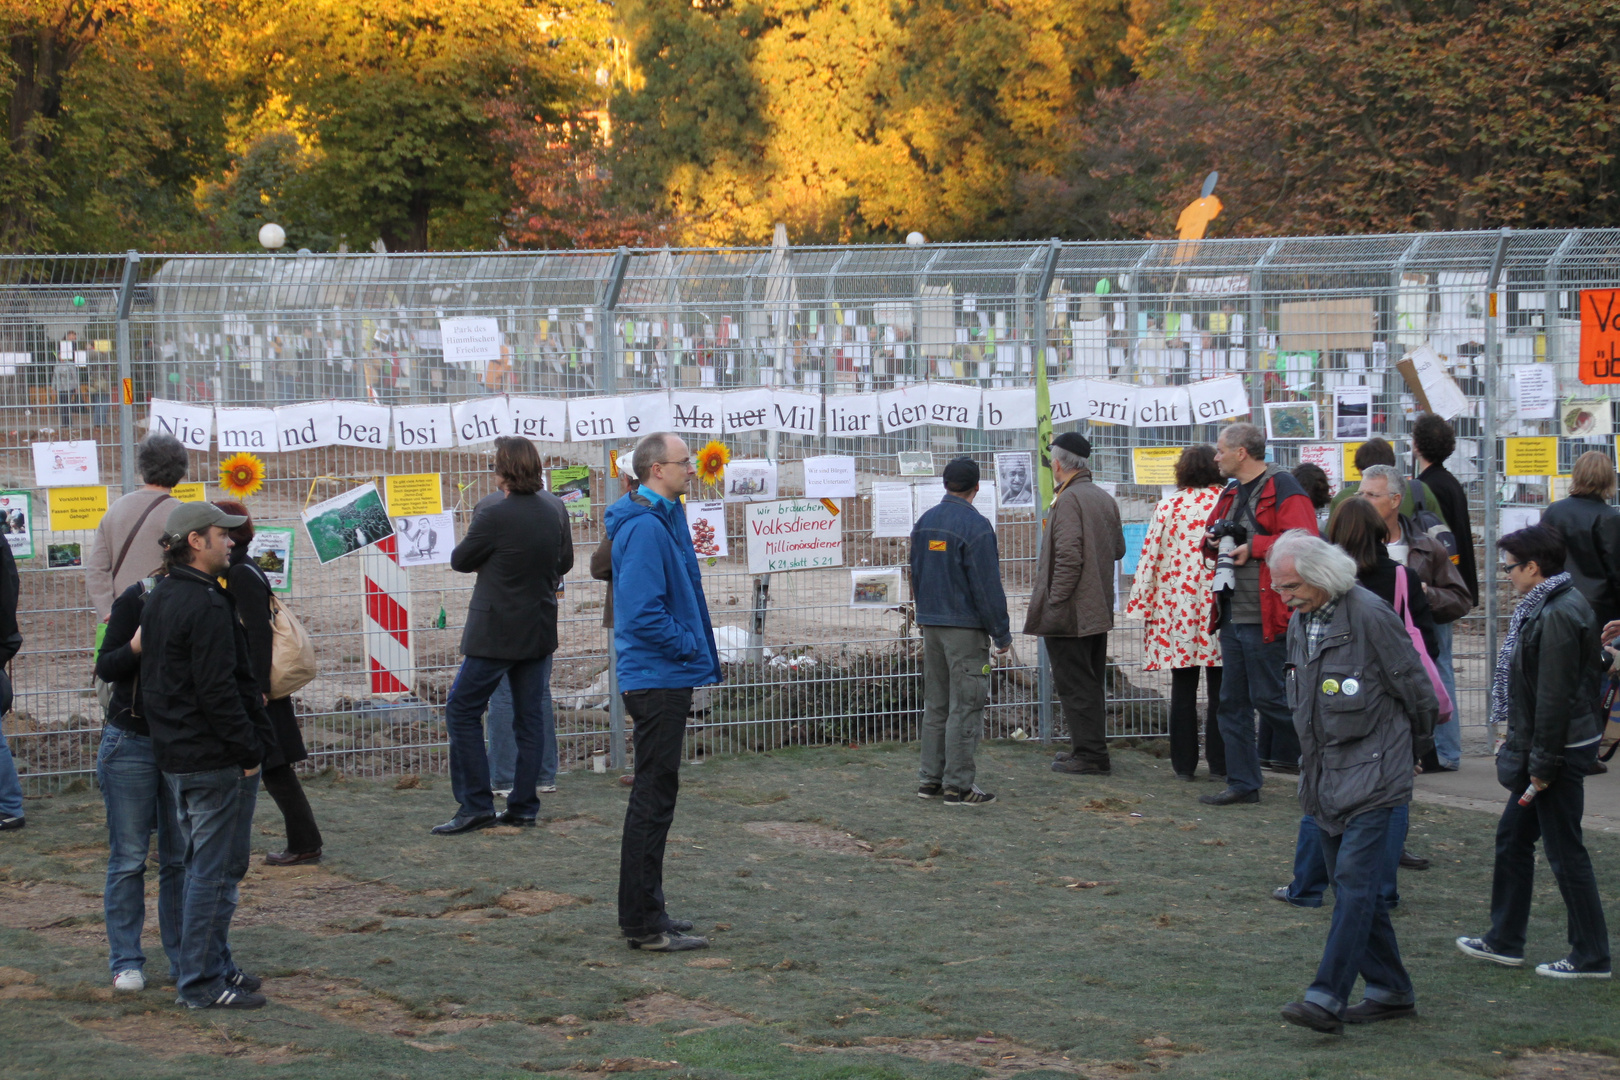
(1078, 664)
(1554, 818)
(660, 727)
(1184, 721)
(303, 835)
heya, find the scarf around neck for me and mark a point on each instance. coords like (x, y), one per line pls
(1504, 658)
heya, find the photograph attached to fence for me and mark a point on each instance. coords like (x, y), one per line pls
(1290, 420)
(18, 510)
(877, 587)
(271, 549)
(346, 523)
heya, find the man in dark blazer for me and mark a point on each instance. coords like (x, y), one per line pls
(520, 547)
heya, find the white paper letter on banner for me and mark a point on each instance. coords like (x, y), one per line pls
(423, 427)
(798, 413)
(361, 425)
(745, 410)
(647, 413)
(306, 427)
(1217, 399)
(470, 340)
(852, 415)
(191, 424)
(904, 408)
(246, 429)
(1109, 402)
(538, 419)
(951, 405)
(1006, 410)
(694, 412)
(593, 419)
(479, 420)
(1162, 406)
(1068, 400)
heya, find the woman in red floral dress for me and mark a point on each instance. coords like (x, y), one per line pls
(1171, 592)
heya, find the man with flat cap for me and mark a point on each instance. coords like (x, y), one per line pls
(956, 584)
(1071, 605)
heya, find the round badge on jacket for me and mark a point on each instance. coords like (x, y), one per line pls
(1330, 686)
(1351, 687)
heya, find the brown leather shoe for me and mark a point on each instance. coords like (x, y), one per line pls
(291, 858)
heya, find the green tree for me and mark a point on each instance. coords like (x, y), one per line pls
(272, 181)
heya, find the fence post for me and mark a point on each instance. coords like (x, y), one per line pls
(126, 393)
(1043, 662)
(1492, 369)
(607, 381)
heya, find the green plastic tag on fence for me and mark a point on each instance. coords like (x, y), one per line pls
(439, 622)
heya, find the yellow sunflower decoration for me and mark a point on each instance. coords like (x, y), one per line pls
(711, 463)
(240, 475)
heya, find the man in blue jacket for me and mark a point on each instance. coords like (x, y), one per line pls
(664, 647)
(956, 584)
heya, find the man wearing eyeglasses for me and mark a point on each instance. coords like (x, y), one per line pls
(664, 648)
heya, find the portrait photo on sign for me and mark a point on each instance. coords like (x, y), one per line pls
(271, 551)
(424, 539)
(879, 587)
(1352, 413)
(1286, 420)
(1015, 480)
(345, 524)
(17, 508)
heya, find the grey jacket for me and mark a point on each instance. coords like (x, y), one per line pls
(1074, 580)
(1364, 710)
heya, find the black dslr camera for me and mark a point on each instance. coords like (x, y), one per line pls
(1230, 536)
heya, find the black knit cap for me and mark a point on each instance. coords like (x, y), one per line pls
(962, 474)
(1074, 442)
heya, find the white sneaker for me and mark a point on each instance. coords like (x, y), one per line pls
(502, 792)
(129, 981)
(548, 789)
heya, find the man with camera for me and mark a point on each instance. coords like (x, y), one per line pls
(1260, 503)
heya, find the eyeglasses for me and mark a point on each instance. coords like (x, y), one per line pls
(685, 463)
(1509, 567)
(1287, 586)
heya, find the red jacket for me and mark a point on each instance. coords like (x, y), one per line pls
(1280, 506)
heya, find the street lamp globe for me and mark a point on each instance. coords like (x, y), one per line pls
(272, 236)
(916, 239)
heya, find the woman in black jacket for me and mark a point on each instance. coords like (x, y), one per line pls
(251, 589)
(1545, 689)
(1590, 528)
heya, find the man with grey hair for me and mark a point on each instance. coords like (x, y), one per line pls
(1072, 604)
(127, 544)
(1363, 708)
(1261, 501)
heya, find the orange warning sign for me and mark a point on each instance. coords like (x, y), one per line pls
(129, 391)
(1600, 336)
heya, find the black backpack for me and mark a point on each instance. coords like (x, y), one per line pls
(1430, 523)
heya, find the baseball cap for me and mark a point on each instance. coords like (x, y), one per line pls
(1074, 442)
(962, 474)
(191, 517)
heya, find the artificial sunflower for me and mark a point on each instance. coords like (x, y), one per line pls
(240, 475)
(711, 463)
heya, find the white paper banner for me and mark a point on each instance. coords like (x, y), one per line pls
(420, 427)
(1162, 406)
(904, 408)
(796, 413)
(695, 412)
(538, 419)
(193, 425)
(1218, 399)
(745, 410)
(594, 419)
(1108, 402)
(305, 427)
(470, 340)
(1007, 410)
(246, 429)
(1067, 400)
(647, 413)
(953, 406)
(357, 424)
(479, 420)
(852, 415)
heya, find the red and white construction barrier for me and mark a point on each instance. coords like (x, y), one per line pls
(387, 620)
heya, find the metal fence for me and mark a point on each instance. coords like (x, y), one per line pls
(1299, 319)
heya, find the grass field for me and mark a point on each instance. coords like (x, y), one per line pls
(857, 932)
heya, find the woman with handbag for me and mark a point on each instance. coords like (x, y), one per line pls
(1545, 691)
(1360, 531)
(251, 589)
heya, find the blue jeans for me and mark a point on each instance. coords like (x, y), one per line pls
(1448, 736)
(138, 801)
(1310, 868)
(1362, 938)
(464, 718)
(503, 745)
(11, 800)
(1252, 681)
(215, 811)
